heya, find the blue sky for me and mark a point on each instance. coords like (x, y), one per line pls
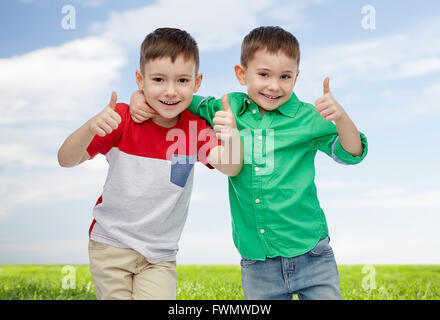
(52, 80)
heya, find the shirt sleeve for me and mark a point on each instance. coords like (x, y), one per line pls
(205, 107)
(328, 142)
(102, 145)
(207, 140)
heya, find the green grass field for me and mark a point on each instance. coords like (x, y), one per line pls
(46, 282)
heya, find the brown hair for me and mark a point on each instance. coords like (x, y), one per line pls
(273, 39)
(169, 42)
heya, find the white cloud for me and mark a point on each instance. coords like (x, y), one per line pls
(218, 24)
(390, 57)
(215, 25)
(24, 156)
(85, 3)
(432, 89)
(33, 146)
(21, 188)
(292, 15)
(90, 3)
(58, 82)
(342, 184)
(384, 59)
(390, 198)
(419, 67)
(363, 74)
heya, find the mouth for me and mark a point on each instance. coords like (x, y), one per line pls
(270, 98)
(169, 103)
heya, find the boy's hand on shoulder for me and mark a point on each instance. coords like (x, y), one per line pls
(224, 121)
(327, 106)
(107, 120)
(140, 111)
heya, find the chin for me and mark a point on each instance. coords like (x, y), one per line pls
(169, 114)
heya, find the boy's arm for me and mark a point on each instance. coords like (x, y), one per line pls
(350, 144)
(227, 158)
(200, 106)
(206, 107)
(349, 136)
(140, 110)
(74, 149)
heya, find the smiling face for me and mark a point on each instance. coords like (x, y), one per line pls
(269, 78)
(169, 86)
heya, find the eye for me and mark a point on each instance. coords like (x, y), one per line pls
(158, 79)
(263, 74)
(183, 80)
(285, 77)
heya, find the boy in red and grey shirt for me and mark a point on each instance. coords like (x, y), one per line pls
(140, 215)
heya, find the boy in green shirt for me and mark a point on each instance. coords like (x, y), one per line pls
(278, 225)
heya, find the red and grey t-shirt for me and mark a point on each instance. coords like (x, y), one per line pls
(146, 195)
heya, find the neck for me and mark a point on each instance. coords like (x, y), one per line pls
(165, 122)
(262, 111)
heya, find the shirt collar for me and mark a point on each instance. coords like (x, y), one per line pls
(289, 108)
(246, 104)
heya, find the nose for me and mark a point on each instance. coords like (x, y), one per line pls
(170, 91)
(273, 85)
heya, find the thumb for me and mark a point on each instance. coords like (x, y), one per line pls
(113, 100)
(225, 103)
(327, 85)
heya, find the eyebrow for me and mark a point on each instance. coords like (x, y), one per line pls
(266, 69)
(164, 75)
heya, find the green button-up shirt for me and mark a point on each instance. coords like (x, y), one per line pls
(274, 206)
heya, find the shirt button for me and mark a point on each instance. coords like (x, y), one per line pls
(257, 200)
(262, 231)
(254, 111)
(260, 137)
(256, 169)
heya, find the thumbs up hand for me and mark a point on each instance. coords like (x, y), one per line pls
(107, 120)
(224, 121)
(327, 106)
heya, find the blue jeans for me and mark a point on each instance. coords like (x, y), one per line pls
(313, 276)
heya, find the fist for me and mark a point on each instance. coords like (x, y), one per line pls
(140, 111)
(224, 121)
(327, 106)
(107, 120)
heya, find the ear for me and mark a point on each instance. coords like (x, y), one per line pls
(139, 80)
(296, 77)
(198, 82)
(240, 73)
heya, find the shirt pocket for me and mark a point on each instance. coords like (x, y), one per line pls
(181, 167)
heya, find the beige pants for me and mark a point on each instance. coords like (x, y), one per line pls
(122, 274)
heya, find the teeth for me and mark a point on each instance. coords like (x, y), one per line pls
(271, 97)
(169, 103)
